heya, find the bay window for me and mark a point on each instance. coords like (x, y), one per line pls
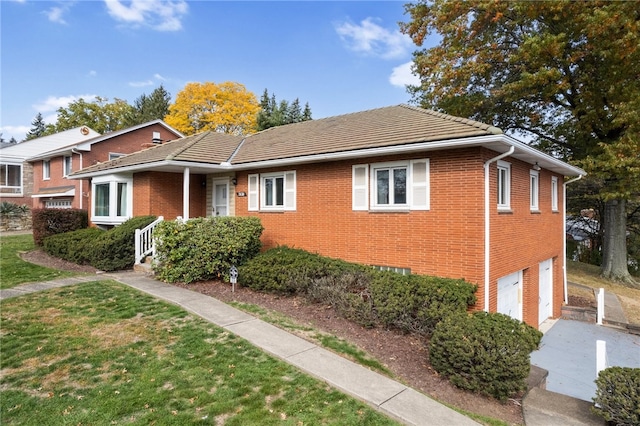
(112, 199)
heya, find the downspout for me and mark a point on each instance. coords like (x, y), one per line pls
(486, 223)
(75, 151)
(564, 240)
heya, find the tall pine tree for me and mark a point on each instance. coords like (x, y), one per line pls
(38, 128)
(274, 113)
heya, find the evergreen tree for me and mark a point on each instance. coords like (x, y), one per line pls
(274, 113)
(13, 140)
(150, 107)
(38, 128)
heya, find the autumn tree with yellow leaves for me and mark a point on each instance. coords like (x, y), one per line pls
(226, 108)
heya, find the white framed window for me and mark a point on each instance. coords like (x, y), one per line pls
(46, 169)
(393, 186)
(11, 178)
(67, 166)
(272, 191)
(534, 193)
(504, 185)
(111, 199)
(554, 193)
(114, 155)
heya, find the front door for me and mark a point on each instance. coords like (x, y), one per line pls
(221, 198)
(545, 290)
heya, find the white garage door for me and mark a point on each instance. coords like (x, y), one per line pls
(509, 295)
(545, 290)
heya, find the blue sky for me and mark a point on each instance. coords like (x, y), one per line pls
(340, 57)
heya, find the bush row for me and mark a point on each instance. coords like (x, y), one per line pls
(205, 248)
(105, 250)
(481, 352)
(47, 222)
(410, 303)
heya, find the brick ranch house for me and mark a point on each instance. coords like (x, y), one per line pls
(52, 187)
(398, 187)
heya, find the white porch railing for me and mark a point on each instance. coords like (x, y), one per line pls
(144, 240)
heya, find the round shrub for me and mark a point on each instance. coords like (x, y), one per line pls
(205, 248)
(618, 395)
(484, 352)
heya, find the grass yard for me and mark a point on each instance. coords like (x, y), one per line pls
(14, 271)
(589, 275)
(102, 353)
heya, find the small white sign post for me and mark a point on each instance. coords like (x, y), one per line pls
(233, 276)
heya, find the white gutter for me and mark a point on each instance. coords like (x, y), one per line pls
(75, 151)
(487, 228)
(564, 239)
(185, 192)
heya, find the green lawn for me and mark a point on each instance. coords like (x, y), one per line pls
(101, 353)
(14, 271)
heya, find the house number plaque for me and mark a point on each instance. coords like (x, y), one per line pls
(241, 194)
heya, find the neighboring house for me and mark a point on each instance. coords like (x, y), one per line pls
(16, 174)
(398, 187)
(53, 189)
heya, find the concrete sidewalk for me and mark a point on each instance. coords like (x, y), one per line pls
(386, 395)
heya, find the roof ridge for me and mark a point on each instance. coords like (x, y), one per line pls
(483, 126)
(183, 146)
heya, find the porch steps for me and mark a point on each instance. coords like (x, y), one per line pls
(144, 267)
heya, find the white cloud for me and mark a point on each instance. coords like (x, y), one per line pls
(159, 77)
(141, 83)
(402, 76)
(161, 15)
(56, 13)
(17, 132)
(52, 103)
(93, 73)
(370, 38)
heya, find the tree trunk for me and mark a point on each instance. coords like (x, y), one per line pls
(614, 244)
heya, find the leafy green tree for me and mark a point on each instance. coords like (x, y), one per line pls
(38, 128)
(563, 73)
(150, 107)
(99, 114)
(274, 113)
(226, 108)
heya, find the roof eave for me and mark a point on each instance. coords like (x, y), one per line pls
(164, 165)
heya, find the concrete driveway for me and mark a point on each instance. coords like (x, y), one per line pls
(568, 352)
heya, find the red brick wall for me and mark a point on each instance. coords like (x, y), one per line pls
(446, 241)
(439, 241)
(160, 194)
(521, 239)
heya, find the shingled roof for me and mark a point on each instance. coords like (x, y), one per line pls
(382, 127)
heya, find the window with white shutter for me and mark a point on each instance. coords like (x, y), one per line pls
(253, 193)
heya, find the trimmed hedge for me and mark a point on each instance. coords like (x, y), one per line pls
(110, 250)
(74, 246)
(416, 303)
(47, 222)
(484, 352)
(618, 395)
(411, 303)
(205, 248)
